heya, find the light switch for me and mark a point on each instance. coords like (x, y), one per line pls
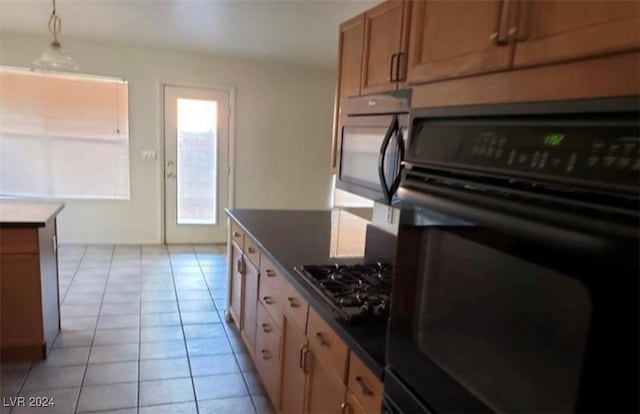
(149, 155)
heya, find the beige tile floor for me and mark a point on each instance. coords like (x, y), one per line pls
(143, 332)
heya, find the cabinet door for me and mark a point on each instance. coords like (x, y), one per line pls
(325, 393)
(250, 305)
(382, 41)
(350, 57)
(267, 354)
(452, 39)
(294, 346)
(236, 288)
(561, 30)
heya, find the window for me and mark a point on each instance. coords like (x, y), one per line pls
(63, 135)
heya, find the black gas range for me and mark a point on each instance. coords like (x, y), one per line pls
(359, 292)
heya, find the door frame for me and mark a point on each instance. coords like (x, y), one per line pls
(231, 90)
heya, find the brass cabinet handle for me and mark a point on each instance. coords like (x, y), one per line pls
(518, 30)
(305, 354)
(265, 354)
(251, 250)
(240, 266)
(270, 273)
(265, 328)
(392, 65)
(365, 389)
(236, 234)
(345, 408)
(400, 67)
(303, 349)
(293, 303)
(268, 300)
(500, 37)
(322, 339)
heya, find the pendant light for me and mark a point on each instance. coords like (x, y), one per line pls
(55, 57)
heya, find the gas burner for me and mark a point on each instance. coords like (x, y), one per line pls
(355, 292)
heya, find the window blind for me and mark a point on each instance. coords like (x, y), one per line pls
(63, 135)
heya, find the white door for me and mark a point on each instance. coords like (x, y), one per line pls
(196, 164)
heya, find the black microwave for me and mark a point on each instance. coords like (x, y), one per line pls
(517, 275)
(372, 135)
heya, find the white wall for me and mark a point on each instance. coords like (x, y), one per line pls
(283, 130)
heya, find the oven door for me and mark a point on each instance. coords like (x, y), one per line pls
(370, 152)
(486, 322)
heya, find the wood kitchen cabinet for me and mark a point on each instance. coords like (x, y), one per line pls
(294, 352)
(236, 279)
(350, 56)
(552, 31)
(249, 312)
(302, 362)
(385, 46)
(450, 39)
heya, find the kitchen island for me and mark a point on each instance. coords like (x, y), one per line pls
(29, 303)
(309, 359)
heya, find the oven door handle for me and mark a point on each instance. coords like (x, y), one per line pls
(382, 155)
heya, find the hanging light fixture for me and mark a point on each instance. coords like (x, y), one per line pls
(55, 57)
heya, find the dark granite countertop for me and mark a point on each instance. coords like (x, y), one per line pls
(292, 238)
(23, 213)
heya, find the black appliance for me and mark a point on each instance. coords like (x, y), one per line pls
(356, 292)
(372, 131)
(531, 304)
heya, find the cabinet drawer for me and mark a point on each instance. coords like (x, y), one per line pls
(267, 354)
(19, 241)
(294, 304)
(268, 292)
(365, 386)
(237, 234)
(251, 251)
(327, 346)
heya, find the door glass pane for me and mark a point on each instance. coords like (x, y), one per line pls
(196, 162)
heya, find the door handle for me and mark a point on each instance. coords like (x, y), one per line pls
(171, 175)
(382, 155)
(396, 181)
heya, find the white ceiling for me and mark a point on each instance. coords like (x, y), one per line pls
(296, 31)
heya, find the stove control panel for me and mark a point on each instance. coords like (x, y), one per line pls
(591, 154)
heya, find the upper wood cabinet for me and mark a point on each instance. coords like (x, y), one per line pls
(549, 31)
(450, 39)
(350, 56)
(385, 46)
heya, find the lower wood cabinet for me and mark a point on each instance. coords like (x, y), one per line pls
(249, 305)
(295, 350)
(303, 364)
(325, 393)
(236, 277)
(267, 354)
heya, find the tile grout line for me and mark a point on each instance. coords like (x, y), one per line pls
(226, 334)
(139, 332)
(75, 274)
(184, 336)
(95, 327)
(26, 376)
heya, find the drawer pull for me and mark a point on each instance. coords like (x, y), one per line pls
(345, 408)
(265, 354)
(303, 350)
(322, 339)
(365, 390)
(270, 273)
(236, 234)
(265, 328)
(240, 266)
(293, 302)
(251, 250)
(268, 300)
